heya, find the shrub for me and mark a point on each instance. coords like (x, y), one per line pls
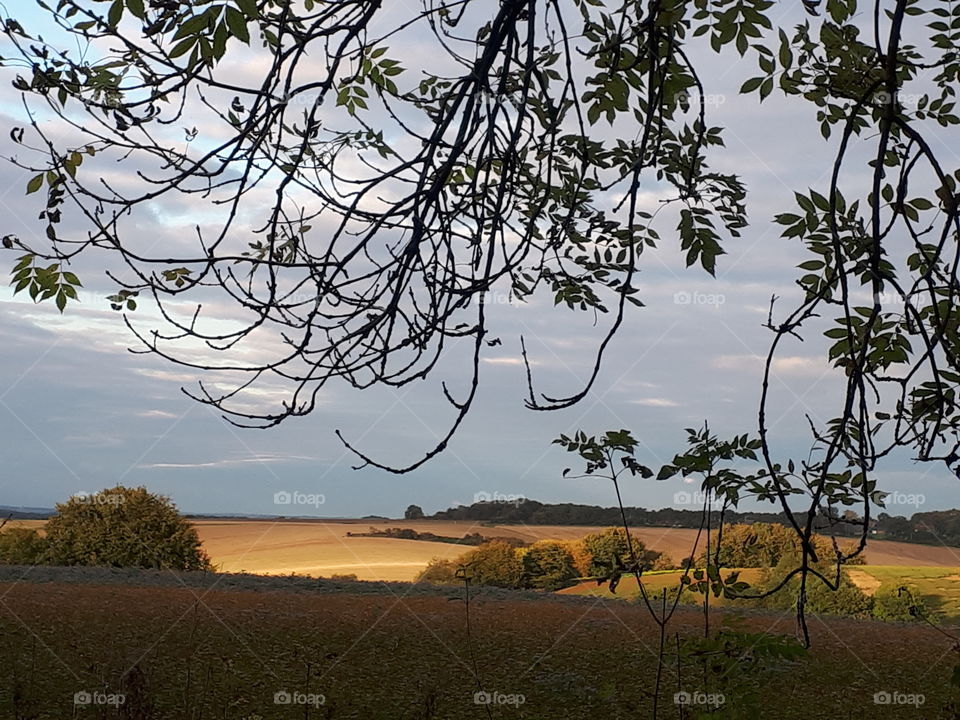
(580, 557)
(901, 603)
(20, 546)
(848, 599)
(124, 527)
(494, 563)
(548, 565)
(609, 546)
(439, 572)
(767, 544)
(663, 562)
(606, 549)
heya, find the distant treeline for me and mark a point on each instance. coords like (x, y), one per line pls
(473, 539)
(941, 527)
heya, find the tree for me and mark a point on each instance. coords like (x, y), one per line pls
(515, 166)
(413, 512)
(123, 527)
(494, 563)
(548, 565)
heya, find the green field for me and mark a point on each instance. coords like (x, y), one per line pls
(938, 586)
(654, 583)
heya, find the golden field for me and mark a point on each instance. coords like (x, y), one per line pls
(322, 548)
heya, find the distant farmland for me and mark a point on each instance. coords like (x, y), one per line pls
(322, 548)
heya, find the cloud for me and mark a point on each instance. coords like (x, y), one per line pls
(792, 365)
(505, 361)
(157, 414)
(656, 402)
(227, 462)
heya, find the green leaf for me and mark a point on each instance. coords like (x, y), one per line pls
(35, 183)
(116, 13)
(136, 7)
(249, 8)
(182, 47)
(238, 25)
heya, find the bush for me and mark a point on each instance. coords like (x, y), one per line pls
(548, 565)
(902, 604)
(610, 545)
(663, 562)
(439, 572)
(20, 546)
(761, 545)
(847, 600)
(580, 557)
(124, 527)
(348, 577)
(494, 563)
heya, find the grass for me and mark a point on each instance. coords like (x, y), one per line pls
(654, 583)
(191, 653)
(938, 586)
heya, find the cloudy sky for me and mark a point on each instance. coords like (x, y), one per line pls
(78, 412)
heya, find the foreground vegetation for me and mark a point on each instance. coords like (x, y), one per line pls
(197, 651)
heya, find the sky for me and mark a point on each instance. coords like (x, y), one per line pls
(79, 412)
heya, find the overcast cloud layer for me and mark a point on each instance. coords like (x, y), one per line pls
(78, 412)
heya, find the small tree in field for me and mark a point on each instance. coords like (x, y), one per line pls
(124, 527)
(413, 512)
(494, 563)
(549, 565)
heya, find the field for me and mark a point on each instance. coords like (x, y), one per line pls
(939, 587)
(185, 647)
(322, 548)
(654, 583)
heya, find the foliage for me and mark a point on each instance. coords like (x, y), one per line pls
(548, 565)
(494, 563)
(22, 546)
(413, 512)
(123, 527)
(898, 603)
(845, 599)
(736, 664)
(439, 572)
(767, 545)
